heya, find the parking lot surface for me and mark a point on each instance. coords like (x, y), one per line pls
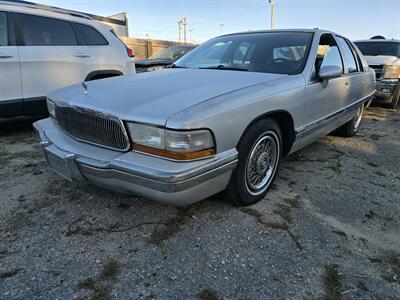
(328, 229)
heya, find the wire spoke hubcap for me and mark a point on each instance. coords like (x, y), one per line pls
(261, 164)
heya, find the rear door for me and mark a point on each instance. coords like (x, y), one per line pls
(353, 70)
(10, 73)
(52, 56)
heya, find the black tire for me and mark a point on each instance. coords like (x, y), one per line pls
(266, 135)
(351, 127)
(396, 99)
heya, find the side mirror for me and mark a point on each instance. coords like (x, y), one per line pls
(330, 72)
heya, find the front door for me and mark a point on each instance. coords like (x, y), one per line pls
(10, 72)
(325, 99)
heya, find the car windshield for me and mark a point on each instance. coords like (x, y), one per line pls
(171, 53)
(379, 48)
(271, 52)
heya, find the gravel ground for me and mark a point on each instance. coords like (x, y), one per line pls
(329, 229)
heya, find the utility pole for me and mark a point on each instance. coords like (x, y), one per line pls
(221, 28)
(184, 23)
(272, 2)
(180, 30)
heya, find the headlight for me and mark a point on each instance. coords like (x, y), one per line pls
(154, 68)
(51, 107)
(391, 72)
(174, 144)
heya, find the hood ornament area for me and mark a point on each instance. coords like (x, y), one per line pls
(85, 87)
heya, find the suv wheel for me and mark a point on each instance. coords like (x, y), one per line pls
(260, 151)
(396, 99)
(351, 127)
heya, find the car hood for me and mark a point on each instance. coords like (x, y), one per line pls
(154, 97)
(153, 62)
(382, 60)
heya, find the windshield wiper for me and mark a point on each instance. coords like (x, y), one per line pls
(222, 67)
(175, 66)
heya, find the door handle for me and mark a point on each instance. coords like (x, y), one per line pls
(2, 55)
(79, 54)
(346, 84)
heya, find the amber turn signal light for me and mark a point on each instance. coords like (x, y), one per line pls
(174, 155)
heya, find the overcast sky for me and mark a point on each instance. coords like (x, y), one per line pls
(356, 19)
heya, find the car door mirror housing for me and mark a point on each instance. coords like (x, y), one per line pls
(330, 72)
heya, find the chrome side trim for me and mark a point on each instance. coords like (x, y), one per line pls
(310, 126)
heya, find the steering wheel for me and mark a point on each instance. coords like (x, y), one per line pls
(285, 60)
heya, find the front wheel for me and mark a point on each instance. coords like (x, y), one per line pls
(260, 151)
(351, 127)
(396, 99)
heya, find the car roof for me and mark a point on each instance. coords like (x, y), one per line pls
(299, 30)
(50, 11)
(377, 41)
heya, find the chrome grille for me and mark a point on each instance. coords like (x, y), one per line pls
(378, 71)
(93, 127)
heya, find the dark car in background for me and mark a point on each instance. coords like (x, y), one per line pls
(383, 55)
(162, 59)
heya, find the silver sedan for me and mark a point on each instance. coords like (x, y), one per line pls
(220, 118)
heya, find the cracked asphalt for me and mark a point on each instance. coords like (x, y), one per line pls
(328, 229)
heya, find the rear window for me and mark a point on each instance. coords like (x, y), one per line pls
(43, 31)
(90, 35)
(379, 48)
(3, 29)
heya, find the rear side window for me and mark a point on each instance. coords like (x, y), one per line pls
(42, 31)
(90, 35)
(348, 56)
(3, 29)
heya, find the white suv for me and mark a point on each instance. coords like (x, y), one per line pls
(44, 48)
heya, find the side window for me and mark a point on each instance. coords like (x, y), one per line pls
(348, 56)
(43, 31)
(3, 29)
(90, 35)
(328, 54)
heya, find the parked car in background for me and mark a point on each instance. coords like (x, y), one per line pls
(162, 59)
(384, 57)
(44, 48)
(243, 102)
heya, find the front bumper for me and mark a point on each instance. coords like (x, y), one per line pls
(385, 91)
(166, 181)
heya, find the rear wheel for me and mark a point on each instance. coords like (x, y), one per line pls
(351, 127)
(260, 151)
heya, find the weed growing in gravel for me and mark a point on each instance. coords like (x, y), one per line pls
(274, 225)
(284, 212)
(14, 223)
(390, 263)
(336, 167)
(372, 164)
(175, 223)
(101, 285)
(207, 294)
(110, 270)
(339, 232)
(293, 202)
(9, 274)
(332, 282)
